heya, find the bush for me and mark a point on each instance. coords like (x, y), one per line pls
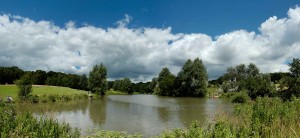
(25, 86)
(240, 97)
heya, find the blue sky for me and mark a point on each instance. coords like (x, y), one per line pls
(137, 38)
(212, 17)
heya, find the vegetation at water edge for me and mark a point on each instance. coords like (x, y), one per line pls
(16, 124)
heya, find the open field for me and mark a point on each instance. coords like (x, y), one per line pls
(12, 90)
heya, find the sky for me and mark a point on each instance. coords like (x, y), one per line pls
(137, 38)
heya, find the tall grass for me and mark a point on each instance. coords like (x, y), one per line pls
(14, 124)
(265, 117)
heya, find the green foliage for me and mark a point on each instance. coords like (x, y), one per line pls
(10, 74)
(192, 80)
(249, 79)
(295, 67)
(259, 86)
(277, 76)
(113, 134)
(25, 86)
(165, 83)
(13, 124)
(39, 77)
(97, 79)
(240, 97)
(123, 85)
(290, 85)
(266, 117)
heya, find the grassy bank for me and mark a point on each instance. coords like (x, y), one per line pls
(44, 93)
(17, 124)
(265, 117)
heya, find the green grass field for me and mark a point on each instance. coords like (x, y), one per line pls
(12, 90)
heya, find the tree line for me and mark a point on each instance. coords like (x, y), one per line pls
(10, 75)
(192, 80)
(249, 79)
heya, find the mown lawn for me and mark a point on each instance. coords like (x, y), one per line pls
(12, 90)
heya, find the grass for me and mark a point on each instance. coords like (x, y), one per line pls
(8, 90)
(113, 92)
(24, 124)
(212, 91)
(39, 90)
(265, 117)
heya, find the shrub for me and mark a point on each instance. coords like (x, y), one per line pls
(240, 97)
(34, 98)
(25, 86)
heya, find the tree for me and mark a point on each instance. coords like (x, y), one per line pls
(250, 79)
(291, 84)
(295, 67)
(165, 83)
(126, 86)
(199, 79)
(182, 80)
(259, 86)
(83, 83)
(10, 74)
(192, 80)
(97, 79)
(39, 77)
(25, 86)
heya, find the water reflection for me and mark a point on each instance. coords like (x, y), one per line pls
(147, 114)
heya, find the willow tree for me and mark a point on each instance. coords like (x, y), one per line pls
(97, 79)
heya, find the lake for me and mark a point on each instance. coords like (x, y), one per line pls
(146, 114)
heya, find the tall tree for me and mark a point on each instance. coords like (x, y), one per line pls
(199, 79)
(126, 86)
(165, 83)
(182, 81)
(192, 80)
(97, 79)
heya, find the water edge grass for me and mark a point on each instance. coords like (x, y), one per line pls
(24, 124)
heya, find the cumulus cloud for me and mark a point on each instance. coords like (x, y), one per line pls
(141, 53)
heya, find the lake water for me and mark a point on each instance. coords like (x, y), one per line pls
(146, 114)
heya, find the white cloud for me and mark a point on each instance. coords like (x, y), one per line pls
(124, 22)
(141, 53)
